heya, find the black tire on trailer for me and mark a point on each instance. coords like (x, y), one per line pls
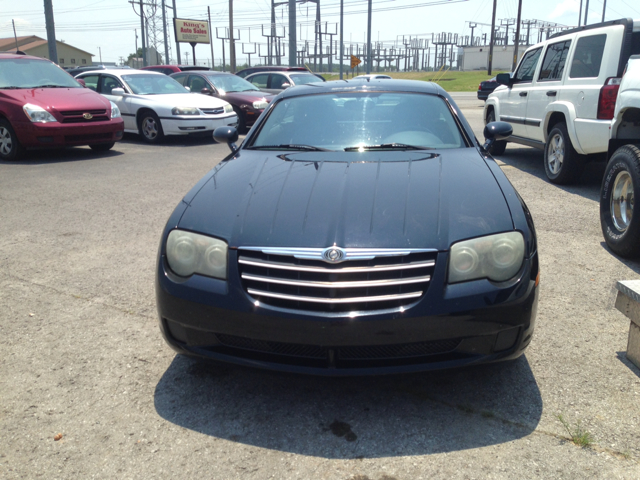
(620, 186)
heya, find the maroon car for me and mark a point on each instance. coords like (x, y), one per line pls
(169, 69)
(43, 106)
(247, 100)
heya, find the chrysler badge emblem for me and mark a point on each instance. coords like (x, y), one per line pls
(87, 116)
(333, 255)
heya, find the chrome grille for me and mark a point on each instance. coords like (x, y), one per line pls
(384, 280)
(76, 116)
(213, 111)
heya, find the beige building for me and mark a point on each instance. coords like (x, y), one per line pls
(68, 56)
(477, 58)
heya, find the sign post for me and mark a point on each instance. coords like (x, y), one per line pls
(191, 32)
(355, 61)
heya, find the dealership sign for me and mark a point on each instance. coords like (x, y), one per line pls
(191, 31)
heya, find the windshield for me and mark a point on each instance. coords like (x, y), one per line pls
(231, 83)
(362, 120)
(153, 84)
(30, 73)
(304, 78)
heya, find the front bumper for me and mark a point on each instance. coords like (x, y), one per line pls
(188, 124)
(451, 325)
(55, 134)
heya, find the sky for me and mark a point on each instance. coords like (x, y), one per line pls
(107, 27)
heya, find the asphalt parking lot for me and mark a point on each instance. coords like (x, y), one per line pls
(82, 359)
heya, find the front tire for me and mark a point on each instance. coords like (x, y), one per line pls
(562, 163)
(102, 147)
(242, 124)
(150, 127)
(10, 148)
(498, 146)
(620, 186)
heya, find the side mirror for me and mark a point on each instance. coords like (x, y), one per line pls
(81, 82)
(206, 91)
(118, 91)
(504, 79)
(187, 89)
(228, 135)
(285, 85)
(496, 131)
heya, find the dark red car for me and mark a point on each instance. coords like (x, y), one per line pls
(42, 106)
(169, 69)
(248, 101)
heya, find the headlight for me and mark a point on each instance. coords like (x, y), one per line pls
(115, 111)
(189, 253)
(38, 114)
(228, 108)
(260, 104)
(185, 111)
(496, 257)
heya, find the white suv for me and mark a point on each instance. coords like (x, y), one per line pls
(566, 111)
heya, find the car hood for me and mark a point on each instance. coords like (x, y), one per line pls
(59, 99)
(185, 100)
(249, 96)
(351, 199)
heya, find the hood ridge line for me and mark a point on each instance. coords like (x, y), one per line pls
(313, 187)
(277, 209)
(406, 198)
(253, 188)
(375, 196)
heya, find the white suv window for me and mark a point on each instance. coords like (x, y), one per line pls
(554, 60)
(528, 66)
(588, 56)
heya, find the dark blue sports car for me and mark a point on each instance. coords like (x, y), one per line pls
(359, 228)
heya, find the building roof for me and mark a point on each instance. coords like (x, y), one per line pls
(29, 42)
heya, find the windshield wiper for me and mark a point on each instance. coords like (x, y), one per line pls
(387, 146)
(51, 86)
(290, 146)
(12, 87)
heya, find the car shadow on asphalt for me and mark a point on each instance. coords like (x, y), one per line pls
(531, 160)
(173, 141)
(62, 155)
(631, 263)
(361, 417)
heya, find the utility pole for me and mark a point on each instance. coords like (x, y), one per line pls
(580, 14)
(100, 51)
(517, 42)
(472, 26)
(369, 37)
(142, 35)
(175, 15)
(164, 29)
(211, 39)
(232, 45)
(292, 33)
(341, 33)
(493, 36)
(604, 7)
(586, 13)
(51, 31)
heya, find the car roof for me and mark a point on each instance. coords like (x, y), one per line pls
(382, 85)
(124, 71)
(14, 55)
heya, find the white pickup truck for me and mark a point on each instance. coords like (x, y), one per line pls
(621, 183)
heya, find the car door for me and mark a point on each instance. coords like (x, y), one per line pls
(513, 101)
(546, 87)
(196, 83)
(277, 83)
(127, 110)
(260, 80)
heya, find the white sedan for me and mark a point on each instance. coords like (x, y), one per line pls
(154, 105)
